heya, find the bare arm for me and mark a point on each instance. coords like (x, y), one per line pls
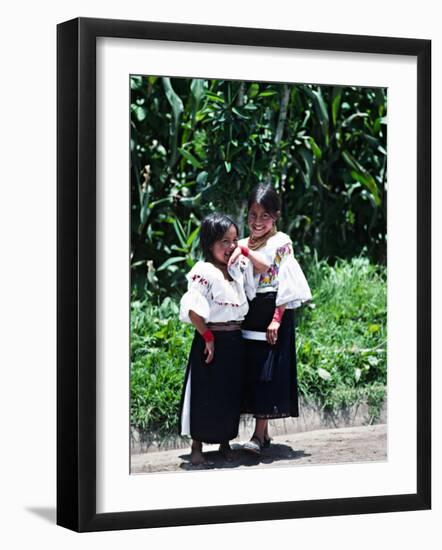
(198, 322)
(272, 329)
(200, 325)
(258, 261)
(256, 258)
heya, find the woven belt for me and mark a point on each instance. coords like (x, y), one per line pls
(230, 325)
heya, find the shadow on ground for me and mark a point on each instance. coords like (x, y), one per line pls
(240, 457)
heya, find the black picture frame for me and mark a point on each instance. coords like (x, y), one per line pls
(77, 287)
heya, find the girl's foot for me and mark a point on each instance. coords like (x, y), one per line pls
(226, 451)
(196, 456)
(255, 445)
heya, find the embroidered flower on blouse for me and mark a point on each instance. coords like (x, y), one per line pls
(282, 252)
(269, 278)
(225, 304)
(242, 262)
(200, 279)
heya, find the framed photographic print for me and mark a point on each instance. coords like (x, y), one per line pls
(243, 277)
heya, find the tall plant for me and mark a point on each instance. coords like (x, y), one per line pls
(201, 145)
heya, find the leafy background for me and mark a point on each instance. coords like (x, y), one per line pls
(200, 145)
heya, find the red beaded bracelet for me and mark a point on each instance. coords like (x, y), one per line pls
(208, 335)
(277, 316)
(244, 250)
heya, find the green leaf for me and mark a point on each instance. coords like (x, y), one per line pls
(140, 113)
(135, 82)
(360, 174)
(202, 178)
(253, 89)
(350, 217)
(307, 157)
(189, 157)
(373, 328)
(372, 140)
(377, 126)
(193, 236)
(240, 115)
(177, 110)
(171, 261)
(315, 148)
(267, 93)
(336, 101)
(144, 212)
(322, 106)
(321, 110)
(160, 201)
(174, 101)
(180, 232)
(369, 183)
(197, 89)
(352, 117)
(214, 97)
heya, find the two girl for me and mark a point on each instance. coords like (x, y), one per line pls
(241, 302)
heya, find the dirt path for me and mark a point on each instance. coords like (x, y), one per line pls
(359, 444)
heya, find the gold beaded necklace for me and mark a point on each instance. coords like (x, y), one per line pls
(256, 244)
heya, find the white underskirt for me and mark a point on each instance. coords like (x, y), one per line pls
(185, 414)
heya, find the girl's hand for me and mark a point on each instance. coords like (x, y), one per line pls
(272, 332)
(234, 256)
(210, 351)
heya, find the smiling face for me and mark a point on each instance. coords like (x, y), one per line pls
(259, 221)
(223, 248)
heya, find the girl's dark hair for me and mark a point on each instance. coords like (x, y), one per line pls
(213, 228)
(267, 197)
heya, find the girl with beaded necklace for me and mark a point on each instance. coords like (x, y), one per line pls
(269, 326)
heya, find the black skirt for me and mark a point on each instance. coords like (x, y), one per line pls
(271, 386)
(216, 388)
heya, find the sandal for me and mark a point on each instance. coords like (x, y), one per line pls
(197, 457)
(226, 452)
(266, 443)
(254, 445)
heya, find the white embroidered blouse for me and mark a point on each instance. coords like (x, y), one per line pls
(284, 275)
(213, 297)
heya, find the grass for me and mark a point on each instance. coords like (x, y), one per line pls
(341, 341)
(159, 348)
